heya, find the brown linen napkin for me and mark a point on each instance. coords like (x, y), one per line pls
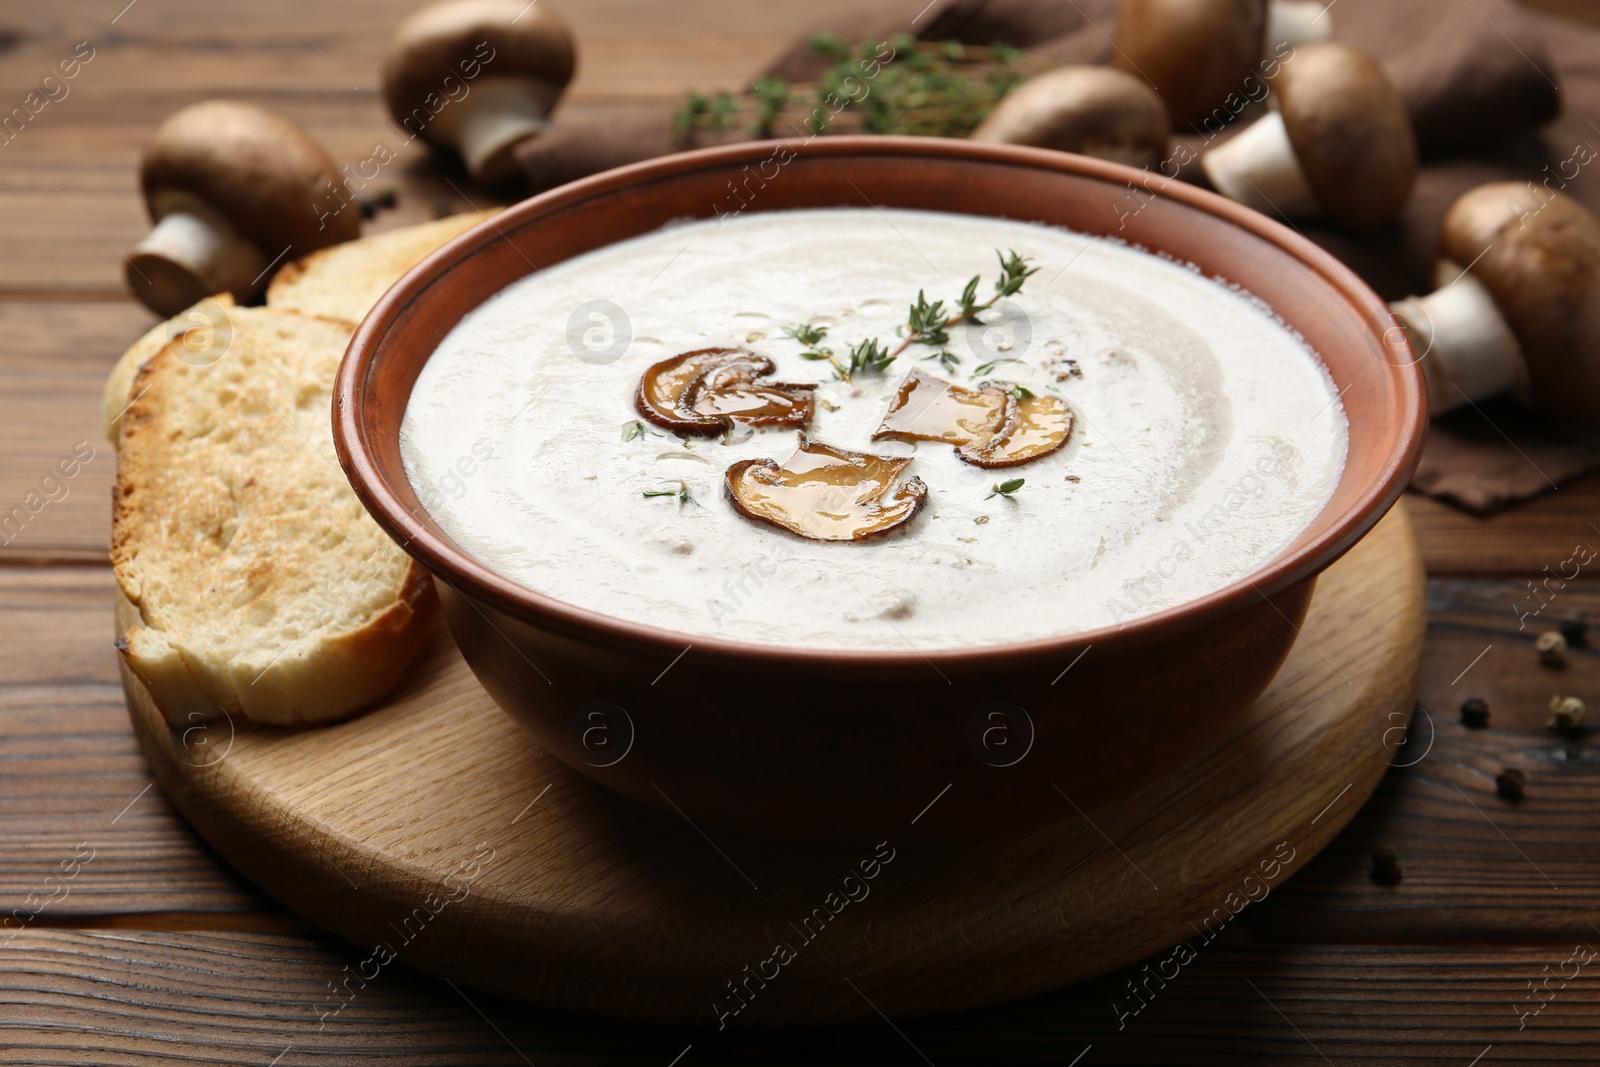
(1478, 78)
(1486, 458)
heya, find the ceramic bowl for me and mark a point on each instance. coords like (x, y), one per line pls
(854, 747)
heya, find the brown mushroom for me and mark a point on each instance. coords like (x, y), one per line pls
(1194, 52)
(700, 392)
(1339, 143)
(479, 77)
(232, 190)
(1199, 53)
(827, 494)
(1524, 316)
(1094, 111)
(994, 425)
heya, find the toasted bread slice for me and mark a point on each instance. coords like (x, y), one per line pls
(264, 588)
(118, 389)
(344, 281)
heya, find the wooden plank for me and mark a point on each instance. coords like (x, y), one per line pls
(83, 829)
(1517, 542)
(1477, 867)
(142, 998)
(54, 357)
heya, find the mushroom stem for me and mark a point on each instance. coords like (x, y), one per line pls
(493, 118)
(1465, 345)
(1294, 23)
(193, 253)
(1258, 168)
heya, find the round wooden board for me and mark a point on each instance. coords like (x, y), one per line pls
(433, 832)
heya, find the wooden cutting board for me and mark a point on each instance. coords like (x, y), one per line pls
(433, 833)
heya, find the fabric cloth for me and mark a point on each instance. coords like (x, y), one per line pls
(1495, 92)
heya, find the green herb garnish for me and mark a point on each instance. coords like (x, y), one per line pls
(1006, 488)
(682, 493)
(869, 356)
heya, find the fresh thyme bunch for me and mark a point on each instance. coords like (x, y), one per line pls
(933, 89)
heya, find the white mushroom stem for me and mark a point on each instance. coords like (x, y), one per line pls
(1294, 23)
(1465, 345)
(496, 114)
(1258, 168)
(193, 252)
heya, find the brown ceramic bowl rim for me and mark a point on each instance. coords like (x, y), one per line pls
(355, 435)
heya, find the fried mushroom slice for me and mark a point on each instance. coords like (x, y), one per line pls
(827, 494)
(1037, 427)
(926, 408)
(994, 425)
(700, 392)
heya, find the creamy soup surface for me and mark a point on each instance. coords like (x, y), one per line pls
(1206, 435)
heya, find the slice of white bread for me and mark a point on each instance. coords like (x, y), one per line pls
(264, 588)
(344, 281)
(119, 386)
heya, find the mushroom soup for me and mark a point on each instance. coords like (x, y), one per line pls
(756, 428)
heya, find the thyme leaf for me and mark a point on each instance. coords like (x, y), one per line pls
(681, 492)
(1006, 488)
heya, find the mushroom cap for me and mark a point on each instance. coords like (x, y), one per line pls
(527, 41)
(1537, 251)
(1096, 111)
(1350, 133)
(1194, 52)
(264, 174)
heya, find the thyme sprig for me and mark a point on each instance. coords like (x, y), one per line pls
(927, 323)
(869, 357)
(811, 336)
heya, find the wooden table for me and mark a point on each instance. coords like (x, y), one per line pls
(151, 950)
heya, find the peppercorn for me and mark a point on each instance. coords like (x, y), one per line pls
(1576, 630)
(1552, 649)
(385, 196)
(1567, 713)
(1475, 713)
(1511, 783)
(1386, 869)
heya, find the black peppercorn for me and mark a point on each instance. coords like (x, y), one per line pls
(1386, 869)
(1475, 713)
(1511, 783)
(1576, 630)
